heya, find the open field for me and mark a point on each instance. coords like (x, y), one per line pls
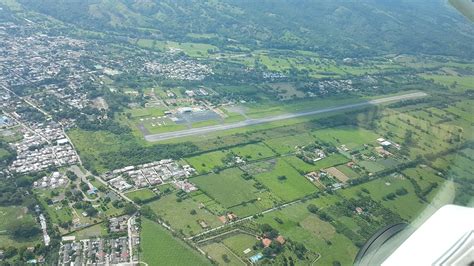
(285, 182)
(159, 247)
(287, 144)
(351, 137)
(253, 152)
(141, 194)
(302, 226)
(10, 215)
(191, 49)
(240, 242)
(94, 231)
(218, 250)
(206, 162)
(183, 215)
(228, 187)
(257, 121)
(408, 206)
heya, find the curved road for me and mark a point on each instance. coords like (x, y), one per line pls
(251, 122)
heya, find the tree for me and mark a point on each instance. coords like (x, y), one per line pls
(225, 258)
(312, 208)
(129, 209)
(91, 211)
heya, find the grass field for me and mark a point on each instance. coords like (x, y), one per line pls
(191, 49)
(228, 187)
(10, 215)
(407, 206)
(456, 83)
(302, 166)
(217, 250)
(180, 214)
(253, 152)
(293, 186)
(302, 226)
(425, 176)
(97, 230)
(240, 242)
(159, 247)
(204, 163)
(210, 203)
(142, 194)
(287, 144)
(350, 136)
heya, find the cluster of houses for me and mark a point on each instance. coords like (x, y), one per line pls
(310, 154)
(324, 87)
(118, 224)
(30, 57)
(52, 181)
(96, 251)
(180, 70)
(196, 92)
(45, 147)
(273, 75)
(149, 174)
(185, 186)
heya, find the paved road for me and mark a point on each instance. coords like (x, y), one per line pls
(250, 122)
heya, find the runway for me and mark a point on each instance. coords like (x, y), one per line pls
(257, 121)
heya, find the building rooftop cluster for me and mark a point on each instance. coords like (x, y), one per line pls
(44, 147)
(180, 69)
(95, 252)
(311, 154)
(118, 224)
(149, 174)
(28, 57)
(52, 181)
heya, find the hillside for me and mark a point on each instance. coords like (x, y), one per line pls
(334, 28)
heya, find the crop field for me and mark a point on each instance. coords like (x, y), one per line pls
(228, 187)
(184, 215)
(159, 247)
(285, 182)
